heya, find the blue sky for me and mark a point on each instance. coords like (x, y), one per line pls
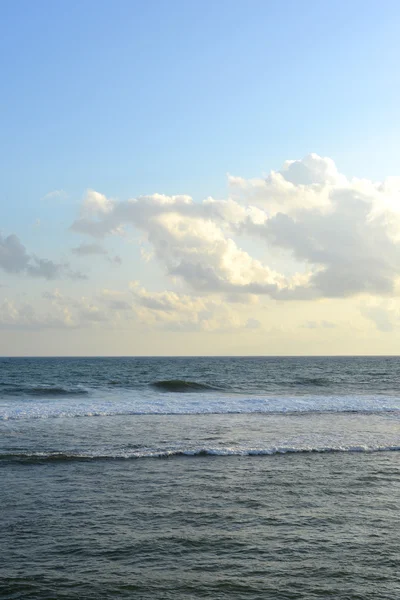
(131, 98)
(134, 97)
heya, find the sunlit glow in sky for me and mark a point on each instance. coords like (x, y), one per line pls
(199, 178)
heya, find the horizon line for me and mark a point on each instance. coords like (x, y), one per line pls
(205, 356)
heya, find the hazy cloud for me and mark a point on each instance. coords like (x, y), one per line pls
(183, 312)
(25, 316)
(55, 195)
(137, 307)
(15, 259)
(319, 325)
(384, 314)
(253, 324)
(88, 250)
(84, 250)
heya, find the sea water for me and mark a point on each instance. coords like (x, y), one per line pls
(270, 478)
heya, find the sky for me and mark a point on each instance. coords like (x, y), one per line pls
(199, 178)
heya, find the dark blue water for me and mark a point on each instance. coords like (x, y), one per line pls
(200, 478)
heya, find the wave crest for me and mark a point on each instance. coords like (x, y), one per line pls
(43, 390)
(123, 454)
(181, 386)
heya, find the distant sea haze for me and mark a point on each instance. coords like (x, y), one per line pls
(196, 478)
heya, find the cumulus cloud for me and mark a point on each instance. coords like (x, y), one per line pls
(344, 234)
(191, 240)
(15, 259)
(198, 251)
(313, 169)
(351, 250)
(301, 184)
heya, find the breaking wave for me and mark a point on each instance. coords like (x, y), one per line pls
(49, 406)
(126, 454)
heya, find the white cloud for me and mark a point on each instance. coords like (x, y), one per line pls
(298, 186)
(96, 204)
(343, 233)
(198, 251)
(313, 169)
(351, 250)
(192, 241)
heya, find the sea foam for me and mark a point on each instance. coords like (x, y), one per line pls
(168, 403)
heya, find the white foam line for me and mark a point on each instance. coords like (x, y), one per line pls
(197, 452)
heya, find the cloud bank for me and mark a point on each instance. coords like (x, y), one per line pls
(343, 234)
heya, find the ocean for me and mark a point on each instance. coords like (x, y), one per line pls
(188, 478)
